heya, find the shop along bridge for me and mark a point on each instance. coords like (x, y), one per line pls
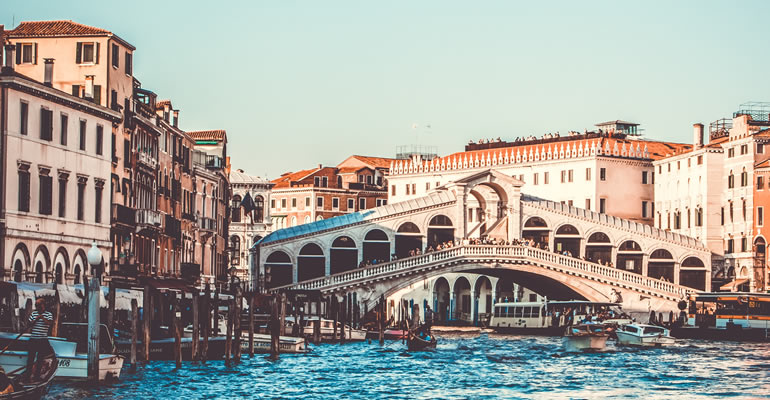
(570, 253)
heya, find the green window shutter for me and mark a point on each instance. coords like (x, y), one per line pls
(96, 61)
(79, 53)
(18, 53)
(35, 54)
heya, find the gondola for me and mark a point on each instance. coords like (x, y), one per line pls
(26, 389)
(421, 339)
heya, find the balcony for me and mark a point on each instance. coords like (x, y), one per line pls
(173, 227)
(207, 224)
(149, 219)
(206, 160)
(190, 271)
(125, 267)
(123, 215)
(147, 159)
(188, 216)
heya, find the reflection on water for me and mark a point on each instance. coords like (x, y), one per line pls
(484, 366)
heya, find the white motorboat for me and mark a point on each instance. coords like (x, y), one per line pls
(262, 342)
(72, 364)
(327, 329)
(585, 337)
(644, 335)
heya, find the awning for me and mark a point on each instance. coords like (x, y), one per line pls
(733, 286)
(169, 284)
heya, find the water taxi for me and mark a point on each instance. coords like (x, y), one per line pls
(726, 316)
(552, 317)
(585, 337)
(644, 335)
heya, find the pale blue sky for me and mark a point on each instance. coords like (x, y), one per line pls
(298, 83)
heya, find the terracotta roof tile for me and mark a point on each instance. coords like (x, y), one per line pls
(217, 134)
(61, 28)
(285, 180)
(762, 164)
(161, 103)
(377, 162)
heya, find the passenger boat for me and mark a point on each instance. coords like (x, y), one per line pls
(738, 316)
(644, 335)
(552, 317)
(71, 353)
(421, 339)
(25, 388)
(327, 329)
(585, 337)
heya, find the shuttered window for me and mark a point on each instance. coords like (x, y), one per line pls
(63, 130)
(87, 53)
(82, 134)
(46, 124)
(46, 193)
(24, 190)
(99, 139)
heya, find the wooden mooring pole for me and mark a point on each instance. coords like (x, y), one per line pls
(134, 332)
(251, 324)
(274, 325)
(237, 323)
(176, 322)
(146, 319)
(196, 332)
(229, 338)
(381, 318)
(206, 321)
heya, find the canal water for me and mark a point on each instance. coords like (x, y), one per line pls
(484, 366)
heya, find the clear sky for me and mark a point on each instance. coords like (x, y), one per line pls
(301, 83)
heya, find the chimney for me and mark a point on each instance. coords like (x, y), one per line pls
(9, 49)
(48, 79)
(166, 112)
(320, 166)
(176, 119)
(697, 136)
(89, 95)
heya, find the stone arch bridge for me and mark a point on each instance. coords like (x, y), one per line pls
(556, 250)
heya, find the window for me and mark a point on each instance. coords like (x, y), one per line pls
(24, 188)
(760, 216)
(744, 245)
(325, 181)
(339, 181)
(351, 204)
(700, 160)
(669, 167)
(744, 149)
(678, 220)
(730, 152)
(129, 63)
(760, 182)
(760, 148)
(602, 174)
(368, 179)
(82, 135)
(99, 139)
(743, 208)
(319, 202)
(688, 218)
(569, 175)
(744, 178)
(588, 174)
(407, 189)
(644, 177)
(63, 130)
(535, 179)
(46, 124)
(588, 204)
(393, 190)
(307, 202)
(76, 90)
(381, 202)
(115, 56)
(563, 176)
(722, 215)
(731, 212)
(335, 203)
(272, 204)
(729, 246)
(26, 53)
(45, 194)
(414, 188)
(126, 153)
(98, 94)
(283, 204)
(316, 181)
(24, 118)
(81, 198)
(545, 178)
(644, 209)
(362, 203)
(99, 188)
(87, 52)
(678, 165)
(427, 186)
(602, 206)
(731, 180)
(294, 203)
(62, 195)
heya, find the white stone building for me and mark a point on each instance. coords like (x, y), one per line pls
(56, 160)
(247, 226)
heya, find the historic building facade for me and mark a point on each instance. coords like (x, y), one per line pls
(250, 218)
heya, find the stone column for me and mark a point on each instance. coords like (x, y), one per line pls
(677, 267)
(615, 257)
(473, 306)
(328, 264)
(451, 305)
(645, 264)
(295, 272)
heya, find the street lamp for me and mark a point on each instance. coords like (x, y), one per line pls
(94, 256)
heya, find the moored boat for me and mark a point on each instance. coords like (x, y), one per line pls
(552, 317)
(644, 335)
(327, 329)
(585, 337)
(27, 387)
(737, 316)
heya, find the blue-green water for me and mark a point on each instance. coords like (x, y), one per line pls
(462, 367)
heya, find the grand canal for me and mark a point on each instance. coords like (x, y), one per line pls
(481, 366)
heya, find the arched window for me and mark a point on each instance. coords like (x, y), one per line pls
(17, 271)
(235, 244)
(730, 180)
(235, 209)
(408, 227)
(744, 177)
(259, 210)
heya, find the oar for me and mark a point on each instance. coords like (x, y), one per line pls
(17, 338)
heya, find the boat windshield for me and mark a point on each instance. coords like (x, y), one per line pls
(653, 330)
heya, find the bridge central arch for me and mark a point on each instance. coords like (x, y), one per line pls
(408, 239)
(343, 255)
(311, 262)
(376, 246)
(440, 230)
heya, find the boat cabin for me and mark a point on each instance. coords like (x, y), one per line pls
(722, 310)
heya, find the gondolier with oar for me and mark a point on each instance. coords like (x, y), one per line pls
(40, 322)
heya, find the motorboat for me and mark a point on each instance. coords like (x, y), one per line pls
(262, 343)
(27, 386)
(644, 335)
(71, 352)
(585, 337)
(739, 316)
(552, 317)
(327, 329)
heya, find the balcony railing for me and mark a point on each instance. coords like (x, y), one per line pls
(149, 218)
(123, 215)
(147, 159)
(125, 267)
(207, 224)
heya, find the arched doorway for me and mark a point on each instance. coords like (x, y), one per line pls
(39, 272)
(483, 304)
(536, 229)
(462, 300)
(18, 271)
(376, 246)
(77, 273)
(344, 255)
(278, 270)
(567, 240)
(408, 238)
(630, 257)
(599, 248)
(59, 273)
(661, 265)
(440, 230)
(441, 299)
(693, 273)
(61, 266)
(311, 262)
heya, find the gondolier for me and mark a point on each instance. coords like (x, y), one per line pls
(40, 323)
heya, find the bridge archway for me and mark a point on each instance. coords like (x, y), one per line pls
(661, 265)
(693, 273)
(476, 209)
(376, 246)
(567, 239)
(536, 229)
(440, 230)
(505, 290)
(278, 270)
(630, 257)
(311, 262)
(344, 255)
(461, 290)
(599, 248)
(483, 298)
(408, 238)
(441, 299)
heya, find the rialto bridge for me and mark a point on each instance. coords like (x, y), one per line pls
(556, 250)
